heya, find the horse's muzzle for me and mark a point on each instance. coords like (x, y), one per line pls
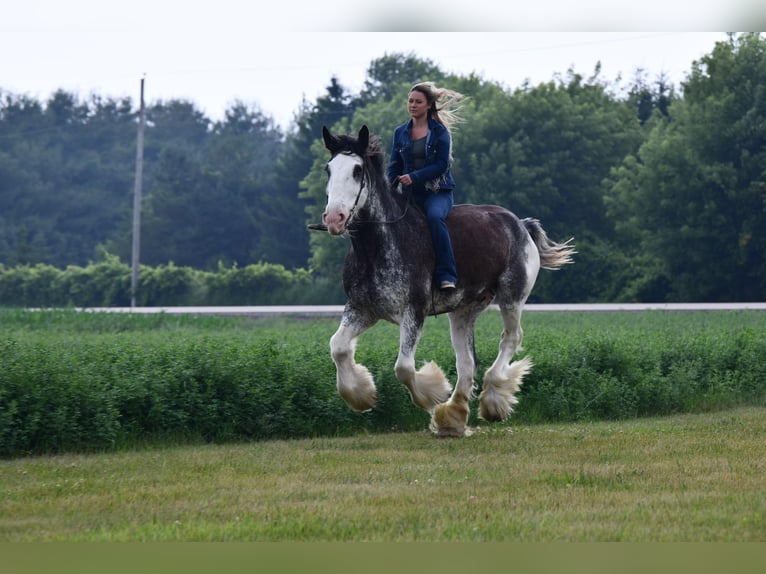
(336, 221)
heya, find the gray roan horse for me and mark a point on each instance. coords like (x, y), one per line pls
(388, 274)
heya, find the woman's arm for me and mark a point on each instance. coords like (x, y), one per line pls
(436, 164)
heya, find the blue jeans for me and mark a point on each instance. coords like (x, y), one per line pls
(436, 206)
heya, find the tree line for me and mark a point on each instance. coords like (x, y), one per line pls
(663, 187)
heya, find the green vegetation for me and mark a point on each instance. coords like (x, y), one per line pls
(661, 186)
(681, 478)
(83, 382)
(106, 283)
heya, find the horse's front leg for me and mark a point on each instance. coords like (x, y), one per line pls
(451, 418)
(355, 383)
(428, 386)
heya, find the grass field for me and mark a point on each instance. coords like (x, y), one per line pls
(682, 478)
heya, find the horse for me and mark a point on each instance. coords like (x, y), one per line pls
(388, 275)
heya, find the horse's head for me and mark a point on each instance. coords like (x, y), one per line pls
(348, 183)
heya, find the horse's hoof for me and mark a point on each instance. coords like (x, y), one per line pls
(449, 420)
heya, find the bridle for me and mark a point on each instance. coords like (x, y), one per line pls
(361, 187)
(365, 179)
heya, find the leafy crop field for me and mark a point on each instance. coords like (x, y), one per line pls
(82, 382)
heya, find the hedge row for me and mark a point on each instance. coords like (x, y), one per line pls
(71, 382)
(95, 381)
(107, 283)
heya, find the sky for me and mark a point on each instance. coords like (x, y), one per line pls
(217, 53)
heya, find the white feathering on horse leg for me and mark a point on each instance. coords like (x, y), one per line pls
(450, 418)
(430, 387)
(498, 395)
(357, 388)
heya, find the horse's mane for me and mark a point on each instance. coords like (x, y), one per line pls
(350, 144)
(373, 158)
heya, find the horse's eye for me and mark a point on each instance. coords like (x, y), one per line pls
(358, 172)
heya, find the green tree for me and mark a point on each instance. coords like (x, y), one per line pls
(64, 181)
(206, 203)
(647, 98)
(174, 123)
(289, 209)
(543, 151)
(694, 196)
(387, 74)
(246, 150)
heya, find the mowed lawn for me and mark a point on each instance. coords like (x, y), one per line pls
(699, 477)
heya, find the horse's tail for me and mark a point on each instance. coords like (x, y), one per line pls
(552, 255)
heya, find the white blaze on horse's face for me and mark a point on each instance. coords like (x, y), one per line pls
(346, 191)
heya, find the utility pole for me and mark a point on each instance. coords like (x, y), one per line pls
(137, 199)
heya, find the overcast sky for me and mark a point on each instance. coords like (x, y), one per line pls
(216, 53)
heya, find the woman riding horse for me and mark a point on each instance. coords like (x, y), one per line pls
(388, 274)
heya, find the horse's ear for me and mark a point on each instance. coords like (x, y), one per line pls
(364, 139)
(330, 141)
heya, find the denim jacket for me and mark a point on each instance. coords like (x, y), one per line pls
(435, 175)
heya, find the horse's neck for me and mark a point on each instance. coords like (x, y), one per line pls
(386, 223)
(382, 206)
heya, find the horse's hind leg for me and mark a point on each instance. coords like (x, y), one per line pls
(428, 386)
(503, 380)
(355, 383)
(451, 418)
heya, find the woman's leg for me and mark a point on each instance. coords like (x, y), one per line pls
(436, 207)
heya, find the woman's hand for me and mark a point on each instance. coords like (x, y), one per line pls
(405, 179)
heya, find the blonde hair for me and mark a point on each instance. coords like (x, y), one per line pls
(443, 103)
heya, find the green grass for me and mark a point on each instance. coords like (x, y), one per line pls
(678, 478)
